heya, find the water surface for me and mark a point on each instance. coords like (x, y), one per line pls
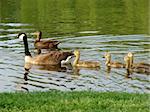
(93, 26)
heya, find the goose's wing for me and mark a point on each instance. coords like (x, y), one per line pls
(46, 44)
(53, 57)
(62, 55)
(45, 59)
(50, 41)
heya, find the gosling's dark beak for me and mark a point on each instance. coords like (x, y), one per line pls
(103, 57)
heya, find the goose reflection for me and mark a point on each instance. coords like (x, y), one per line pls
(58, 68)
(76, 70)
(44, 82)
(23, 85)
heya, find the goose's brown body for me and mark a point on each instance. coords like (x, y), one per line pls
(52, 58)
(44, 44)
(47, 44)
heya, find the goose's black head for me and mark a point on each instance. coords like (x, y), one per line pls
(22, 36)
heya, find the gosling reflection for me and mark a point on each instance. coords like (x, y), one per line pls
(76, 70)
(108, 69)
(128, 73)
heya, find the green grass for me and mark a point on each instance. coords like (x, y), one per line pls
(56, 101)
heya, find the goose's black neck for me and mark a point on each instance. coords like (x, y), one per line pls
(27, 53)
(40, 34)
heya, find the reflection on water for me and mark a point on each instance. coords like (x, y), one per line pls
(94, 27)
(72, 16)
(14, 77)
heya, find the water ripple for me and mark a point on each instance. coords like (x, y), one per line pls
(13, 77)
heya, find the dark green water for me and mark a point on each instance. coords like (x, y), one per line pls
(93, 26)
(68, 17)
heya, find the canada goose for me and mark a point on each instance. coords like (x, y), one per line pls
(52, 58)
(136, 67)
(87, 64)
(44, 44)
(113, 64)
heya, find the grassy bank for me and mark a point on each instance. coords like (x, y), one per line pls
(55, 101)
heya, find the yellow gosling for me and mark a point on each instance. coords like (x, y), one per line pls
(113, 64)
(127, 62)
(137, 67)
(130, 55)
(87, 64)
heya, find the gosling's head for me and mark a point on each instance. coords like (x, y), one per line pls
(107, 55)
(22, 36)
(130, 54)
(76, 52)
(126, 58)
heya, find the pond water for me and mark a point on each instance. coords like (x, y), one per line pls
(93, 26)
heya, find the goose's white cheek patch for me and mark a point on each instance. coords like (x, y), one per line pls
(21, 36)
(67, 61)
